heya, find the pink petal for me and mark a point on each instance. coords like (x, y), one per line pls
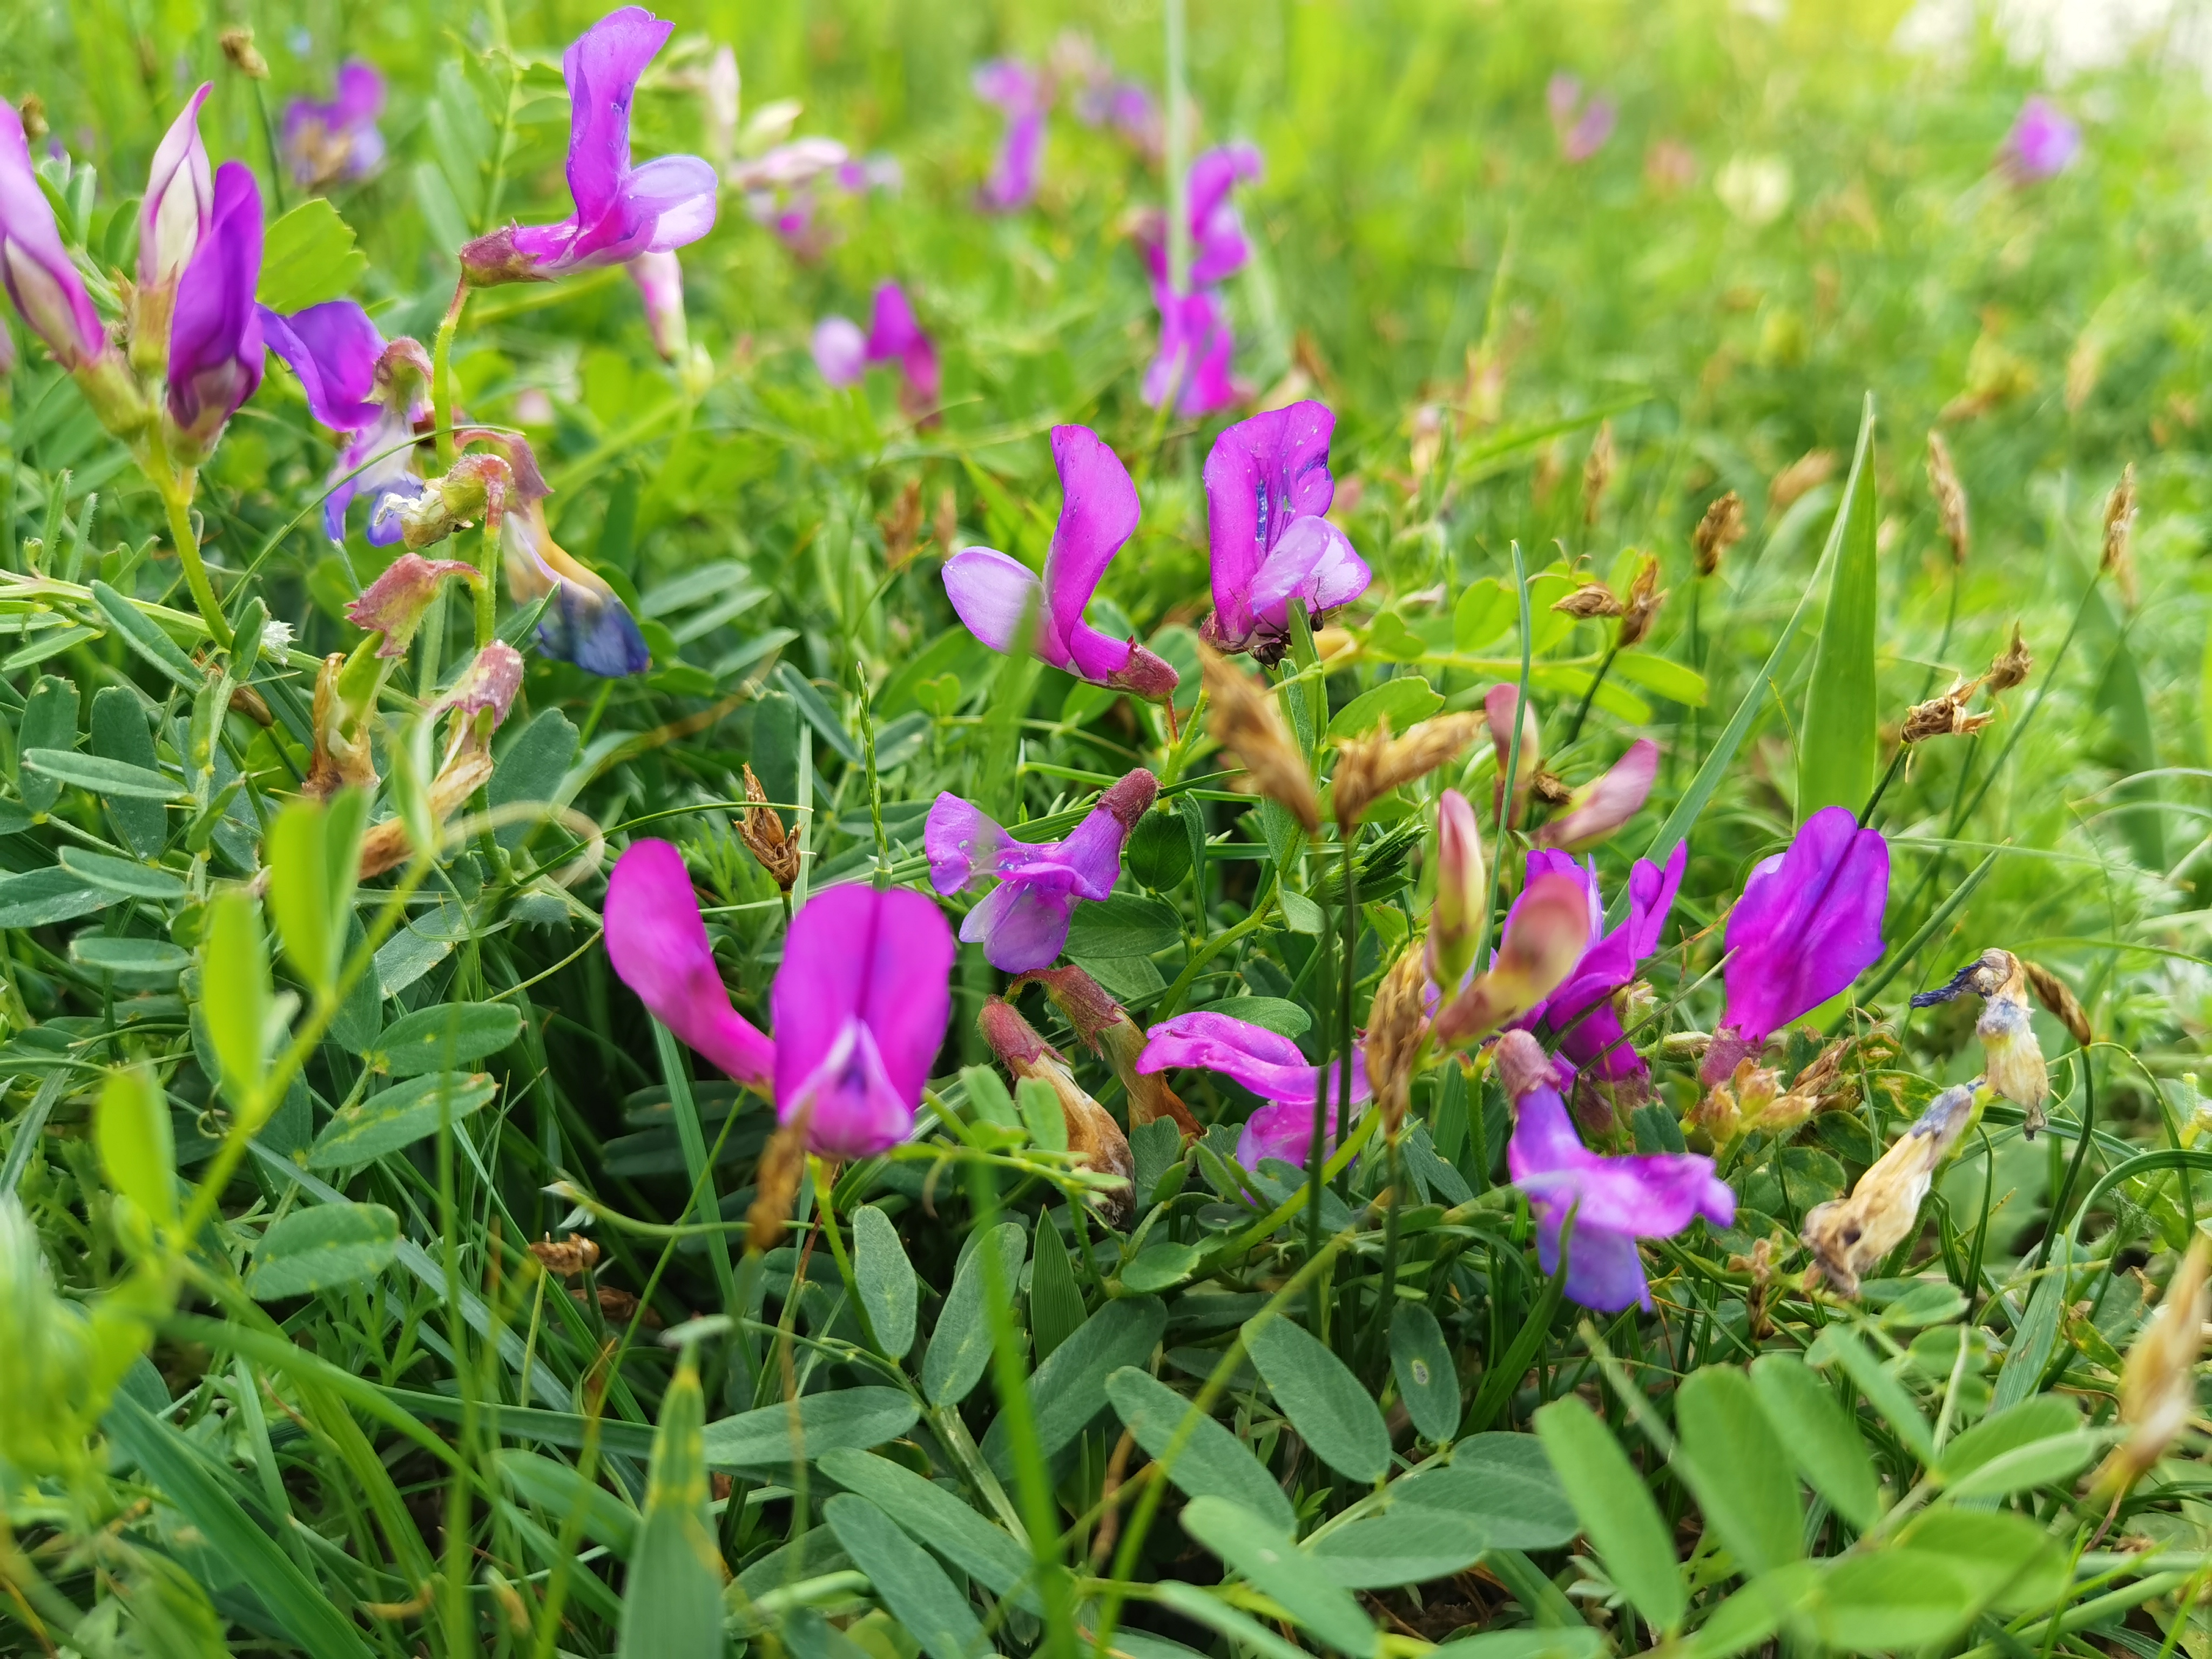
(601, 69)
(658, 945)
(962, 843)
(884, 959)
(991, 592)
(1604, 806)
(1098, 515)
(1022, 926)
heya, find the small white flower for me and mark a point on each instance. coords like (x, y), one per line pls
(276, 639)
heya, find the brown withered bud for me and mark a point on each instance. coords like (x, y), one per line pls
(244, 700)
(1848, 1236)
(1950, 496)
(238, 47)
(1807, 472)
(617, 1307)
(2011, 665)
(2157, 1383)
(2010, 1054)
(565, 1258)
(1721, 529)
(1761, 1266)
(1093, 1136)
(1242, 715)
(340, 757)
(1645, 600)
(32, 110)
(901, 524)
(1832, 1077)
(1591, 600)
(2063, 1006)
(1597, 472)
(1551, 788)
(2119, 556)
(1104, 1027)
(1395, 1025)
(1368, 768)
(763, 832)
(775, 1183)
(1944, 716)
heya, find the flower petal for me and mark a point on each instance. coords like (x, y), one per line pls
(1808, 924)
(962, 841)
(1600, 808)
(991, 593)
(334, 348)
(602, 69)
(658, 945)
(1284, 1133)
(1022, 925)
(1097, 515)
(884, 959)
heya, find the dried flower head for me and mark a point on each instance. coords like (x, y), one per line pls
(343, 754)
(1244, 721)
(2012, 1057)
(32, 111)
(1093, 1136)
(1394, 1028)
(2054, 995)
(2158, 1383)
(1551, 788)
(1807, 472)
(2010, 666)
(902, 526)
(1832, 1077)
(1849, 1236)
(238, 47)
(1944, 716)
(1368, 768)
(2119, 556)
(763, 832)
(1645, 600)
(1721, 529)
(572, 1255)
(1597, 472)
(1950, 496)
(1591, 600)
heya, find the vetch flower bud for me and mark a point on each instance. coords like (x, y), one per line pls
(324, 142)
(1457, 925)
(840, 350)
(476, 487)
(1369, 767)
(659, 279)
(1104, 1027)
(1849, 1237)
(1597, 809)
(35, 266)
(1721, 529)
(395, 604)
(2010, 666)
(214, 360)
(1543, 939)
(1591, 600)
(2157, 1383)
(1242, 715)
(763, 832)
(176, 213)
(1092, 1134)
(1950, 496)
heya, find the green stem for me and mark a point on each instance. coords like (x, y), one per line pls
(1575, 727)
(441, 373)
(1896, 764)
(177, 499)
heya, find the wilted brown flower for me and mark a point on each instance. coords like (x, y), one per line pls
(1370, 767)
(476, 703)
(32, 110)
(2054, 995)
(1394, 1026)
(1645, 600)
(2120, 557)
(244, 700)
(1721, 529)
(1093, 1136)
(901, 524)
(343, 754)
(1950, 496)
(1244, 721)
(1551, 788)
(1944, 716)
(2010, 666)
(1591, 600)
(2010, 1054)
(947, 524)
(1812, 469)
(565, 1260)
(1597, 472)
(1850, 1236)
(2158, 1383)
(1832, 1077)
(1104, 1027)
(763, 832)
(238, 47)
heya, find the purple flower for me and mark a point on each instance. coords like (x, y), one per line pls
(659, 279)
(1217, 248)
(1124, 106)
(1809, 922)
(621, 211)
(1192, 369)
(339, 140)
(2042, 142)
(992, 593)
(215, 337)
(1024, 923)
(1019, 94)
(1615, 1201)
(358, 385)
(34, 264)
(178, 207)
(1268, 484)
(658, 945)
(1583, 129)
(1268, 1063)
(840, 350)
(843, 354)
(395, 603)
(1580, 1012)
(1597, 809)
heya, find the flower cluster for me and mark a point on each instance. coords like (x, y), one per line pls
(1190, 372)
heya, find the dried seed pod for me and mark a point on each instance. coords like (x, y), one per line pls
(2157, 1383)
(1848, 1236)
(1807, 472)
(1645, 600)
(238, 47)
(2054, 995)
(1721, 529)
(1244, 721)
(763, 832)
(1591, 600)
(2010, 666)
(901, 524)
(1944, 716)
(565, 1258)
(1950, 496)
(1394, 1028)
(1370, 767)
(2119, 556)
(1092, 1134)
(1104, 1027)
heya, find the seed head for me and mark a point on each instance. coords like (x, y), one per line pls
(2010, 666)
(1645, 600)
(2119, 556)
(782, 1162)
(238, 47)
(1244, 721)
(1950, 496)
(1370, 767)
(2158, 1383)
(572, 1255)
(1597, 472)
(1944, 716)
(1591, 600)
(2054, 995)
(1807, 472)
(1721, 529)
(763, 832)
(1394, 1028)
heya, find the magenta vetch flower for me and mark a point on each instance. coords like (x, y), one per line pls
(1582, 128)
(992, 592)
(2042, 142)
(178, 207)
(1267, 485)
(1218, 248)
(840, 350)
(658, 945)
(659, 279)
(1580, 1012)
(324, 142)
(358, 385)
(1022, 924)
(34, 264)
(1615, 1201)
(843, 354)
(215, 337)
(1019, 94)
(1597, 809)
(1191, 371)
(1809, 922)
(621, 211)
(1268, 1063)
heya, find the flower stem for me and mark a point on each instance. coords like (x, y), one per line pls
(1896, 762)
(441, 373)
(1575, 728)
(177, 499)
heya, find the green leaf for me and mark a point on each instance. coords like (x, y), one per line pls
(1506, 1482)
(560, 1490)
(126, 876)
(531, 768)
(1484, 611)
(1213, 1460)
(2039, 1463)
(886, 1278)
(912, 1587)
(132, 1130)
(1329, 1406)
(850, 1420)
(1124, 925)
(1211, 1611)
(307, 257)
(672, 1604)
(1616, 1510)
(133, 961)
(1572, 1642)
(383, 1123)
(1069, 1389)
(960, 1347)
(1266, 1559)
(445, 1036)
(1734, 1462)
(38, 897)
(1041, 1116)
(48, 724)
(313, 859)
(1421, 1360)
(2039, 1418)
(1160, 850)
(1837, 745)
(1405, 702)
(1671, 679)
(1159, 1267)
(1410, 1546)
(1753, 1614)
(1820, 1439)
(1891, 1600)
(2012, 1564)
(144, 635)
(119, 733)
(235, 996)
(103, 777)
(934, 1516)
(312, 1250)
(1888, 1396)
(1055, 1300)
